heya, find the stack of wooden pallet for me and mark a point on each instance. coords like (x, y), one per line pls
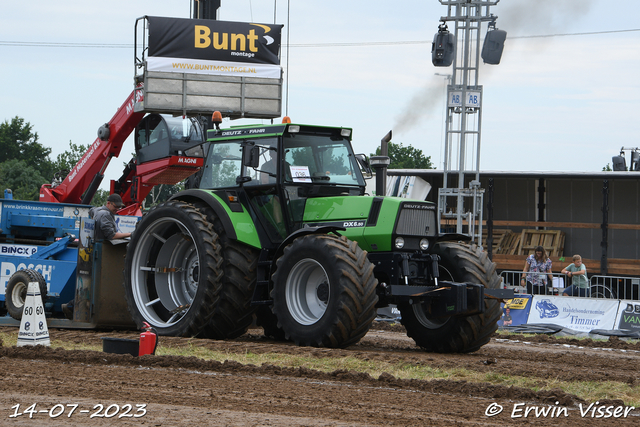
(498, 234)
(506, 242)
(551, 240)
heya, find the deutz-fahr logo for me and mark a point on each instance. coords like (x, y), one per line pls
(243, 132)
(416, 206)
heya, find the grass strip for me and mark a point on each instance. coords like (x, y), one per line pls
(588, 390)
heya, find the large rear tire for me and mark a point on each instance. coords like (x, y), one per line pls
(173, 270)
(233, 313)
(16, 293)
(459, 263)
(324, 291)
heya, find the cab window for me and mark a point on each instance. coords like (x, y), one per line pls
(223, 166)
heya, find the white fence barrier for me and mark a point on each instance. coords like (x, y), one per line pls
(600, 287)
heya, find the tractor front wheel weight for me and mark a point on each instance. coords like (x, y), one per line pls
(324, 291)
(16, 292)
(458, 263)
(173, 270)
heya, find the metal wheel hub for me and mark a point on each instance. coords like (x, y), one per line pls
(165, 272)
(307, 291)
(19, 294)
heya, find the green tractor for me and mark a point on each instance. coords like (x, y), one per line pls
(277, 226)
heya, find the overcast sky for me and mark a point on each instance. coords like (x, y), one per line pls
(563, 103)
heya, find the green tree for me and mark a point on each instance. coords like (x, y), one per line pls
(67, 160)
(607, 168)
(161, 193)
(100, 198)
(18, 141)
(406, 157)
(22, 179)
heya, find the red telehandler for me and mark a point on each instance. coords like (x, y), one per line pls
(160, 158)
(43, 241)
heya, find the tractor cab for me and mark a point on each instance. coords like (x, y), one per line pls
(161, 135)
(280, 167)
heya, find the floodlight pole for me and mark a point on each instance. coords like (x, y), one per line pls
(464, 102)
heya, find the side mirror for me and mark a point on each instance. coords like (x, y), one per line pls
(364, 163)
(251, 156)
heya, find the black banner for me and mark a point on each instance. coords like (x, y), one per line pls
(214, 40)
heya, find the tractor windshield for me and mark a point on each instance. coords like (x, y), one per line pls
(320, 159)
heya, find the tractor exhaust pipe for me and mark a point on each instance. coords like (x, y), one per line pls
(380, 164)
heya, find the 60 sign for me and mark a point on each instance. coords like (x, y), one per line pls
(28, 311)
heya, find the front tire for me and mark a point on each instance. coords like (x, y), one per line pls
(174, 270)
(324, 291)
(16, 293)
(459, 263)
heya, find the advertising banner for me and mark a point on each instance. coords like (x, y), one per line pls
(578, 314)
(84, 275)
(628, 316)
(515, 311)
(214, 47)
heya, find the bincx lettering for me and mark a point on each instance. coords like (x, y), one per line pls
(18, 250)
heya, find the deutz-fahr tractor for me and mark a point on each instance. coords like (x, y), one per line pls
(277, 227)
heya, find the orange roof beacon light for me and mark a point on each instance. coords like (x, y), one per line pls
(286, 119)
(216, 119)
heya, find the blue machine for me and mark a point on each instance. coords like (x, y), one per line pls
(44, 237)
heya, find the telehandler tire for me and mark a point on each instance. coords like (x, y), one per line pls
(324, 291)
(173, 270)
(233, 314)
(17, 287)
(459, 263)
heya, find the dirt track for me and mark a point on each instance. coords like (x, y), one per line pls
(181, 391)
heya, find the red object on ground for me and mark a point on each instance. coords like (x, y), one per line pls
(148, 341)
